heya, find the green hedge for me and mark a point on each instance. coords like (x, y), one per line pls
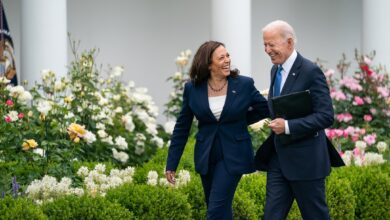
(195, 196)
(19, 208)
(85, 207)
(151, 202)
(254, 185)
(351, 192)
(244, 207)
(371, 187)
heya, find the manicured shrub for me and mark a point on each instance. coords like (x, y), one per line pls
(195, 196)
(151, 202)
(254, 184)
(244, 206)
(85, 207)
(371, 188)
(19, 208)
(340, 198)
(23, 171)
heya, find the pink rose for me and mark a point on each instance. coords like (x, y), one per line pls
(9, 103)
(370, 139)
(367, 118)
(7, 119)
(20, 115)
(355, 137)
(357, 101)
(330, 133)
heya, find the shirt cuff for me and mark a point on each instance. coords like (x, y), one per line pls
(286, 128)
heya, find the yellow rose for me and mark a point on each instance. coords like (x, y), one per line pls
(68, 99)
(76, 131)
(76, 140)
(30, 143)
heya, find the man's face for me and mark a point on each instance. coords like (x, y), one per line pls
(277, 48)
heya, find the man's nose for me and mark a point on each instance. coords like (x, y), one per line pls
(266, 49)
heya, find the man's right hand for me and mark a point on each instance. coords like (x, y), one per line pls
(170, 175)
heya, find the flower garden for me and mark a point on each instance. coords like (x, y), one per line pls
(87, 146)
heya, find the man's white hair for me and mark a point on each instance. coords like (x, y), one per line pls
(283, 27)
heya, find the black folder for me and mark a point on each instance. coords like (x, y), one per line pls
(291, 106)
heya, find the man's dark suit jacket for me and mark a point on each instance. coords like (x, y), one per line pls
(311, 157)
(231, 127)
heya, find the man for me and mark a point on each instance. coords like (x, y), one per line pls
(296, 169)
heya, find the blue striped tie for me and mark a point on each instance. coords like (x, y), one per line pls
(278, 81)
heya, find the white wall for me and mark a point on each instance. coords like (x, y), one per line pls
(325, 30)
(145, 36)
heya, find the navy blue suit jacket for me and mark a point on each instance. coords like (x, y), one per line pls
(231, 127)
(307, 158)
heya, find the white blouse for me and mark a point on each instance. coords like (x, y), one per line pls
(216, 105)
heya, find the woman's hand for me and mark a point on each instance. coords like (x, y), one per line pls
(170, 175)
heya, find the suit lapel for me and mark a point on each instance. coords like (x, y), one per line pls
(231, 94)
(204, 101)
(292, 75)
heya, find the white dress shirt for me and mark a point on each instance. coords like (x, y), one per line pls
(287, 65)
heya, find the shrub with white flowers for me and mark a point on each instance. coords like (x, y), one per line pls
(182, 179)
(83, 116)
(95, 182)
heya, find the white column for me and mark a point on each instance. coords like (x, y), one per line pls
(376, 30)
(231, 25)
(44, 38)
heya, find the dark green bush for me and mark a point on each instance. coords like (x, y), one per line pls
(244, 207)
(24, 173)
(340, 198)
(85, 207)
(195, 196)
(151, 202)
(254, 184)
(19, 208)
(371, 188)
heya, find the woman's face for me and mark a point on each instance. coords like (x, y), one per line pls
(220, 62)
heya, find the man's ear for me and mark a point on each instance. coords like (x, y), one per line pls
(290, 42)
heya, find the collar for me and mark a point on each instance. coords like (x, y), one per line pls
(290, 61)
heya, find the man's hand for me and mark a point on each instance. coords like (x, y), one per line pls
(170, 175)
(277, 125)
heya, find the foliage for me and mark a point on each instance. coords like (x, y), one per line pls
(84, 116)
(151, 202)
(340, 198)
(361, 102)
(11, 208)
(254, 184)
(195, 196)
(244, 207)
(95, 182)
(371, 188)
(72, 207)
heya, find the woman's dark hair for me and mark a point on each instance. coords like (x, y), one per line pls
(199, 70)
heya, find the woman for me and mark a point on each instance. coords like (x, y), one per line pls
(219, 99)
